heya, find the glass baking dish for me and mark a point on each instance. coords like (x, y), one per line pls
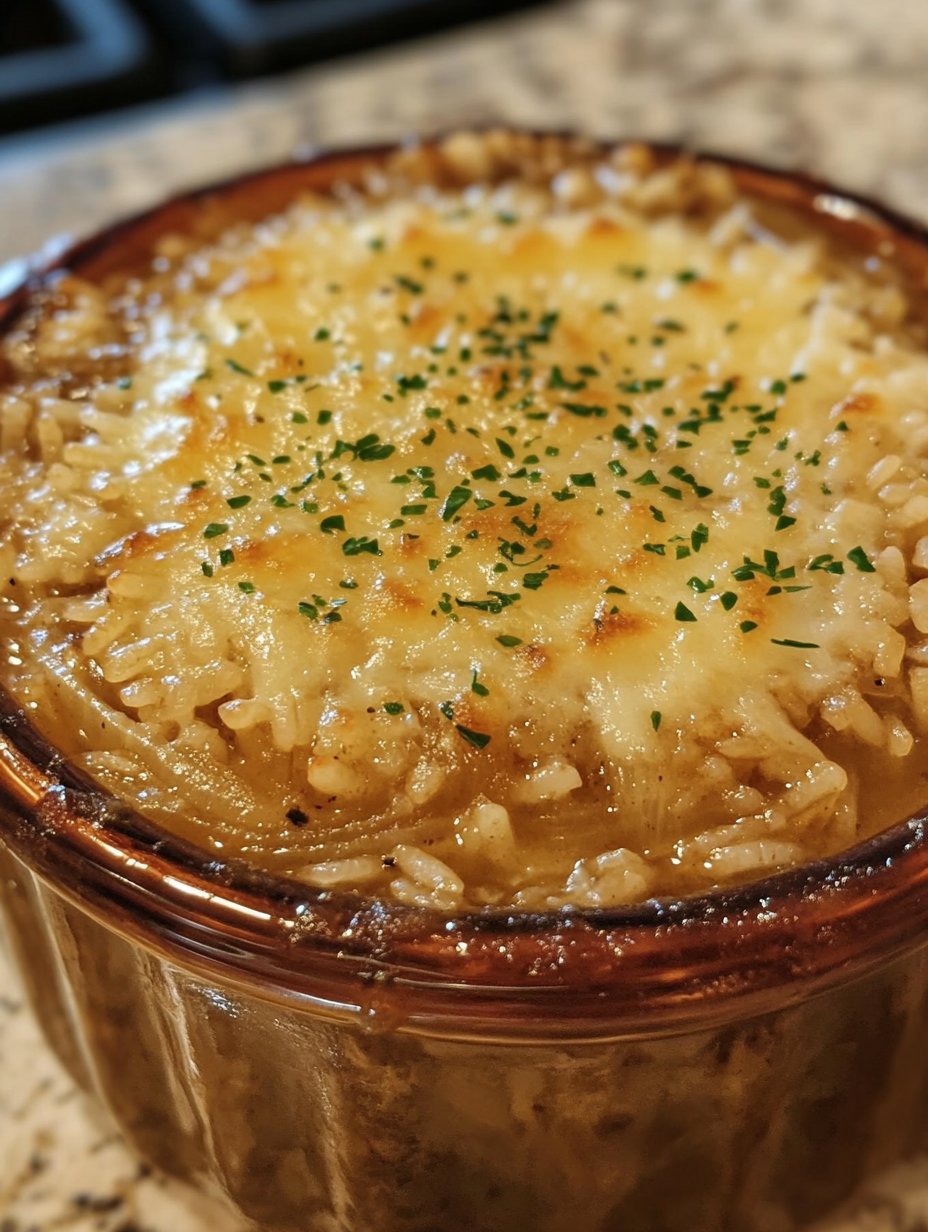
(735, 1062)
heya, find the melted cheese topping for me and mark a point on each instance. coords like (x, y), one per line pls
(480, 546)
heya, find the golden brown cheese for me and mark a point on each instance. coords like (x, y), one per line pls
(481, 546)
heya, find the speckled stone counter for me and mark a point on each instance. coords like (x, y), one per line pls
(834, 86)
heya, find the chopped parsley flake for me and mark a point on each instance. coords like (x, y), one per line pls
(557, 380)
(476, 687)
(585, 410)
(479, 740)
(409, 284)
(355, 546)
(857, 556)
(407, 383)
(647, 479)
(455, 500)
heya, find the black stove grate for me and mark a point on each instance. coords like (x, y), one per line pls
(245, 37)
(60, 58)
(63, 58)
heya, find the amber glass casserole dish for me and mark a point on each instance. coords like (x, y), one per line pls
(327, 1062)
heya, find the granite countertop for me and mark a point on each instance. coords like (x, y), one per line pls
(834, 86)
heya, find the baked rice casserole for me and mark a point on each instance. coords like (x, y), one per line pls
(475, 539)
(465, 657)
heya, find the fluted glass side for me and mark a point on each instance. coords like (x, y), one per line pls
(311, 1125)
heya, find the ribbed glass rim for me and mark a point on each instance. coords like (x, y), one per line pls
(570, 975)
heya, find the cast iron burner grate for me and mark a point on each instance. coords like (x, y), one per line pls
(60, 58)
(63, 58)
